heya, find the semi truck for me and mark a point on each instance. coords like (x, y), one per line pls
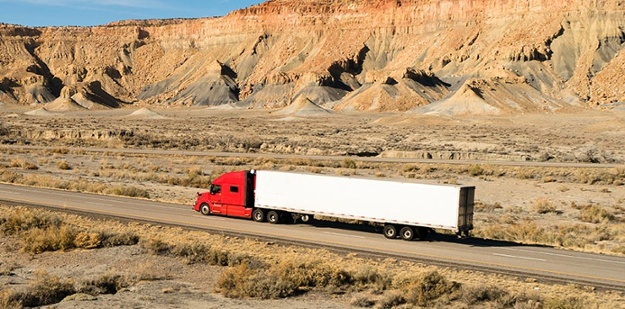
(403, 209)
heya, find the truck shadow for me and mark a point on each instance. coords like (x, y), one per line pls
(432, 237)
(479, 242)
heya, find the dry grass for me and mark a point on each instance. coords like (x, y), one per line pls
(23, 164)
(133, 175)
(44, 290)
(572, 236)
(543, 206)
(45, 231)
(595, 214)
(63, 165)
(267, 271)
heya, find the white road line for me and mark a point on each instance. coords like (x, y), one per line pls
(344, 235)
(10, 192)
(566, 256)
(519, 257)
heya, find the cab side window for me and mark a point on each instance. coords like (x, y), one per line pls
(215, 189)
(234, 189)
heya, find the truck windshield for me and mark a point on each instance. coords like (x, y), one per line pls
(214, 189)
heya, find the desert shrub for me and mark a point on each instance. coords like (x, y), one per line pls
(88, 240)
(410, 168)
(348, 163)
(315, 273)
(22, 219)
(566, 303)
(543, 206)
(288, 277)
(126, 238)
(392, 300)
(428, 287)
(23, 164)
(362, 301)
(370, 278)
(475, 170)
(44, 290)
(42, 231)
(60, 150)
(63, 165)
(157, 246)
(619, 250)
(595, 214)
(567, 236)
(194, 252)
(479, 294)
(525, 174)
(10, 176)
(193, 177)
(104, 284)
(39, 240)
(548, 179)
(520, 301)
(615, 176)
(483, 207)
(242, 281)
(130, 191)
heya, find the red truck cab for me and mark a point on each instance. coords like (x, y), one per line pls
(231, 194)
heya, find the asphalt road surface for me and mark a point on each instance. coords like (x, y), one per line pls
(542, 263)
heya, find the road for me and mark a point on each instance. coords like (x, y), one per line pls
(500, 257)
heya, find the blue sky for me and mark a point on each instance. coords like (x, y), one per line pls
(98, 12)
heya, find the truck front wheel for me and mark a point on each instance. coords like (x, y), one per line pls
(390, 231)
(273, 217)
(406, 233)
(258, 215)
(205, 209)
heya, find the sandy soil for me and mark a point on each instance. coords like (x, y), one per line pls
(164, 282)
(506, 195)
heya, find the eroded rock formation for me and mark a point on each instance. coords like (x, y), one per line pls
(382, 55)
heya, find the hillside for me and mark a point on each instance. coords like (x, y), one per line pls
(465, 56)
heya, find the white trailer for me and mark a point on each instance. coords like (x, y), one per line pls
(407, 209)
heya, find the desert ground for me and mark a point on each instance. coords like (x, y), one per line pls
(553, 179)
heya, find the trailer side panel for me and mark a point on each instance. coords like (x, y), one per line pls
(407, 203)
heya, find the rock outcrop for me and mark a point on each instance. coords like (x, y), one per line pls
(376, 55)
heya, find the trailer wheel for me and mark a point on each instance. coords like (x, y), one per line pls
(258, 215)
(205, 209)
(390, 231)
(406, 233)
(273, 217)
(306, 218)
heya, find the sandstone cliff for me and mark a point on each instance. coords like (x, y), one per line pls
(443, 56)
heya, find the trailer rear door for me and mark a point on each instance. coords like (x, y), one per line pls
(465, 212)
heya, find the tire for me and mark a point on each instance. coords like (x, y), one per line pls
(407, 233)
(306, 218)
(390, 231)
(258, 215)
(273, 217)
(205, 209)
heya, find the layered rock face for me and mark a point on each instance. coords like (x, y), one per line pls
(451, 57)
